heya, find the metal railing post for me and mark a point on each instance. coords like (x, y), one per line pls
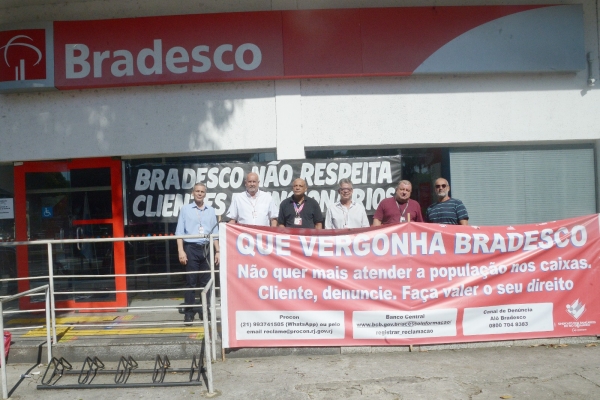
(207, 340)
(3, 358)
(51, 284)
(48, 323)
(2, 347)
(213, 310)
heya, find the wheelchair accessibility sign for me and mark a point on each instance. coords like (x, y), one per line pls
(47, 212)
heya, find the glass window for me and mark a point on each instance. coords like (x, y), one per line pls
(67, 205)
(420, 166)
(524, 184)
(161, 256)
(8, 259)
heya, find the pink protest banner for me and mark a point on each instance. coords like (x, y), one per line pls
(409, 284)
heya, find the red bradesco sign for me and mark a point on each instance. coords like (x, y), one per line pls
(318, 43)
(395, 41)
(173, 49)
(409, 284)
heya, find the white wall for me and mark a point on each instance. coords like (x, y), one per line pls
(289, 117)
(447, 111)
(136, 121)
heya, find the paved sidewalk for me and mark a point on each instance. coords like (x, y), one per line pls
(536, 372)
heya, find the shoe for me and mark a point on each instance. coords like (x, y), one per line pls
(188, 319)
(200, 315)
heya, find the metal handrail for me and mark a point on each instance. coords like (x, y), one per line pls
(101, 240)
(209, 345)
(51, 277)
(45, 288)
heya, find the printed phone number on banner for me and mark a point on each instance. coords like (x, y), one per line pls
(289, 325)
(510, 318)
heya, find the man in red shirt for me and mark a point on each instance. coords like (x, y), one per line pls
(398, 209)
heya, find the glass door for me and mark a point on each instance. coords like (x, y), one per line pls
(77, 199)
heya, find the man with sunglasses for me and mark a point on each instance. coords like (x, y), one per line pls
(447, 210)
(346, 213)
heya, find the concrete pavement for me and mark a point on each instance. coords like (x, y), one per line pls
(564, 371)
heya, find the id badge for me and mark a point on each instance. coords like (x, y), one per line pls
(402, 219)
(297, 221)
(201, 230)
(254, 214)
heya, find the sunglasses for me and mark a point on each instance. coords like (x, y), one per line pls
(443, 186)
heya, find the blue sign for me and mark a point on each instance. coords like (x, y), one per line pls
(47, 212)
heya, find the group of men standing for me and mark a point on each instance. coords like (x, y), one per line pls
(256, 207)
(401, 208)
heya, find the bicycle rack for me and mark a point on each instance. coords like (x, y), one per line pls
(92, 367)
(61, 366)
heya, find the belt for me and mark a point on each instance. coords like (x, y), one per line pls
(194, 244)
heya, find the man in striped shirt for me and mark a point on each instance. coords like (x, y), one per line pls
(447, 210)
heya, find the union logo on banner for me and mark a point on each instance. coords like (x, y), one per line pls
(576, 309)
(23, 55)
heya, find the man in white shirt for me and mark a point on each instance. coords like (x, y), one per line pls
(253, 207)
(346, 213)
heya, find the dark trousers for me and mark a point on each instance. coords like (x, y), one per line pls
(197, 261)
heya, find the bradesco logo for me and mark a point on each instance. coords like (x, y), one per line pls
(149, 61)
(22, 55)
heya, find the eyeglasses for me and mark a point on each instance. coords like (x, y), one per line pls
(443, 186)
(346, 190)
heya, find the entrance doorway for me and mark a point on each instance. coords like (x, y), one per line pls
(75, 199)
